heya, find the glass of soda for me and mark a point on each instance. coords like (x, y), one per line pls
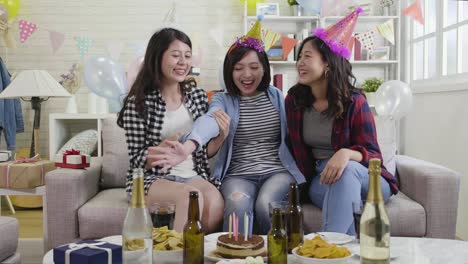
(162, 214)
(358, 206)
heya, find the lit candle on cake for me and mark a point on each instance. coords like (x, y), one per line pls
(230, 225)
(246, 226)
(250, 224)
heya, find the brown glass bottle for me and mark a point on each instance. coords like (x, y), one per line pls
(194, 235)
(277, 240)
(294, 219)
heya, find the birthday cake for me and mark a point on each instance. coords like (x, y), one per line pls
(229, 247)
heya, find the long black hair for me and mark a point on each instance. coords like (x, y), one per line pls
(234, 55)
(341, 81)
(150, 75)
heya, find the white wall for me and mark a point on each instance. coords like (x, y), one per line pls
(129, 21)
(437, 131)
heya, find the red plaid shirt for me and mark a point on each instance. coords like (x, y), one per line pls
(355, 131)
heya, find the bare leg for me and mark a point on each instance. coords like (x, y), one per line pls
(213, 209)
(178, 193)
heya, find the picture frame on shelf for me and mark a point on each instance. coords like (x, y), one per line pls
(366, 6)
(379, 54)
(268, 9)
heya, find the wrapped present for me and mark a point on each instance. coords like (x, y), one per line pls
(72, 159)
(88, 252)
(24, 173)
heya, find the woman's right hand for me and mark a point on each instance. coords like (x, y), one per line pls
(223, 121)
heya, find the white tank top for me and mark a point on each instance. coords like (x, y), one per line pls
(179, 122)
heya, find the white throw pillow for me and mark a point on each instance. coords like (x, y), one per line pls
(85, 142)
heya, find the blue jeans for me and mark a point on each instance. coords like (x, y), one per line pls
(336, 200)
(242, 193)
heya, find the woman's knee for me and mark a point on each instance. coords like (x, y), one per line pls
(353, 170)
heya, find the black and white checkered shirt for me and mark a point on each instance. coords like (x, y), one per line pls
(145, 131)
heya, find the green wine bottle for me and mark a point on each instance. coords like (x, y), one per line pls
(375, 225)
(137, 232)
(277, 240)
(194, 236)
(294, 219)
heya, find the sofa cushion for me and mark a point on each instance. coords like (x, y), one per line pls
(386, 137)
(8, 237)
(115, 155)
(103, 215)
(407, 217)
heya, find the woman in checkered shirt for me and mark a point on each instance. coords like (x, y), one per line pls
(161, 105)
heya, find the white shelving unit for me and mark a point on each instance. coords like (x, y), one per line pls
(362, 69)
(62, 127)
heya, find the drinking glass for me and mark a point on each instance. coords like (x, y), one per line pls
(357, 212)
(162, 214)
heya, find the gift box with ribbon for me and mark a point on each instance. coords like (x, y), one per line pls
(24, 173)
(72, 159)
(88, 252)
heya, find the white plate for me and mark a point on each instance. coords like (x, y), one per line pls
(210, 247)
(395, 252)
(332, 237)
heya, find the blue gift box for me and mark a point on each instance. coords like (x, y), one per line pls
(87, 255)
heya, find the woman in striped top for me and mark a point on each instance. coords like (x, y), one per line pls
(253, 164)
(162, 104)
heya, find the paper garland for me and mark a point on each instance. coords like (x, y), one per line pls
(26, 30)
(367, 40)
(83, 44)
(56, 40)
(415, 11)
(386, 30)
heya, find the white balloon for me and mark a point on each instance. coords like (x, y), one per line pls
(222, 85)
(393, 99)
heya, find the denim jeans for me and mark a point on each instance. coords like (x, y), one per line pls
(253, 194)
(336, 200)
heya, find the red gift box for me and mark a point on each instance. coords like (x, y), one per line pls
(72, 159)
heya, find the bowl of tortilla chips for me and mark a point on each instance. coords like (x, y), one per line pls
(319, 251)
(168, 246)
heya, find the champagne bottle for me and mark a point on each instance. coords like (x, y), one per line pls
(194, 236)
(137, 237)
(277, 240)
(375, 225)
(294, 219)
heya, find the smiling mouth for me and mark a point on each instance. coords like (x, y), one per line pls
(180, 72)
(247, 82)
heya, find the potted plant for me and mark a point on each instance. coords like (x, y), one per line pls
(297, 9)
(385, 5)
(370, 86)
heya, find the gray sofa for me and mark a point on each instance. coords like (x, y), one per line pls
(9, 241)
(91, 203)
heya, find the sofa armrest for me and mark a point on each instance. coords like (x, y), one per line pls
(66, 191)
(436, 188)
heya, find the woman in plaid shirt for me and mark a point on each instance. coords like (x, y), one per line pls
(161, 105)
(332, 134)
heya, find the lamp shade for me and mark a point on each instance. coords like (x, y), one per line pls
(34, 83)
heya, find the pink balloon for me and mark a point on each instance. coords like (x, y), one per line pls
(133, 70)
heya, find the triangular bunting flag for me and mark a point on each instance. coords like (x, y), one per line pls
(270, 38)
(83, 44)
(170, 17)
(26, 30)
(387, 31)
(367, 40)
(56, 40)
(115, 49)
(288, 45)
(415, 11)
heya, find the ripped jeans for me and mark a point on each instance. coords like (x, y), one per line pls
(252, 193)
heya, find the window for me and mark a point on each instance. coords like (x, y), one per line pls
(440, 47)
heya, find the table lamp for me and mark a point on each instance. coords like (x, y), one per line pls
(34, 86)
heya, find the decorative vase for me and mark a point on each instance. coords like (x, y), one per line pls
(298, 10)
(92, 103)
(386, 11)
(72, 106)
(370, 99)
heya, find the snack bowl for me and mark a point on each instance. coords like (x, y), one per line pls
(168, 256)
(309, 260)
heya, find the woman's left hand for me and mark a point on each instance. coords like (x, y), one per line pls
(335, 167)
